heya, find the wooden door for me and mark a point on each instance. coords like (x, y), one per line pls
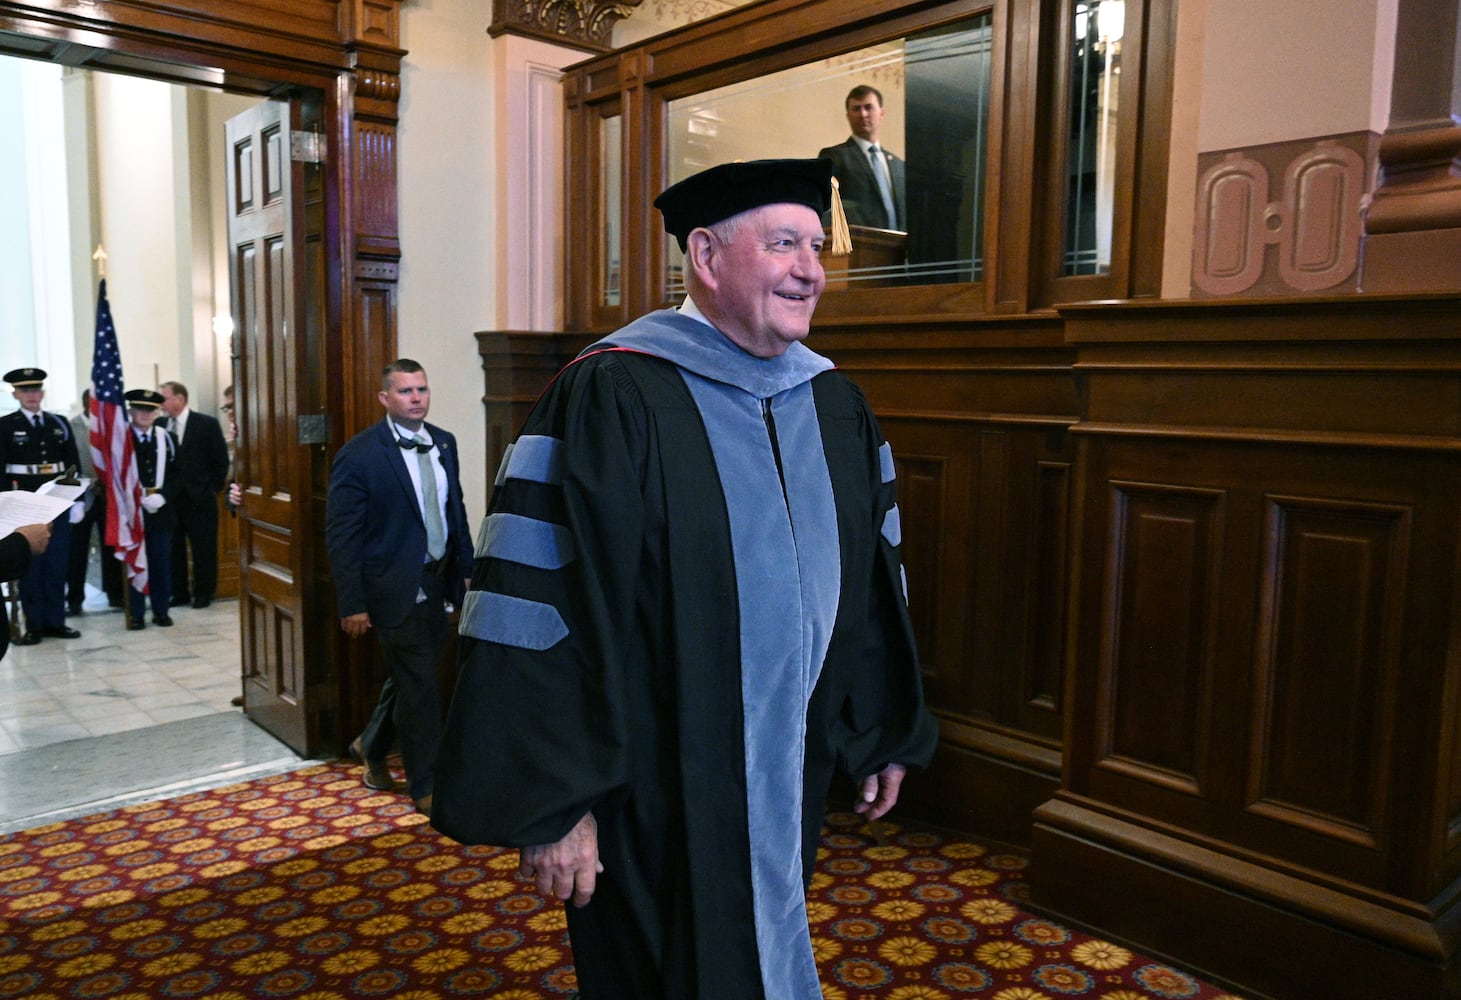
(269, 273)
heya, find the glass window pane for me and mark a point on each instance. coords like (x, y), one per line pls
(934, 103)
(1091, 151)
(611, 165)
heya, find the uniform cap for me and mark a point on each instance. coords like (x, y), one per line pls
(729, 189)
(25, 377)
(149, 399)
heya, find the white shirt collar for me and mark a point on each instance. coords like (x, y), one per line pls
(411, 435)
(689, 308)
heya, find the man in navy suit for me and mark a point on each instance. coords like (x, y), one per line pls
(868, 200)
(400, 549)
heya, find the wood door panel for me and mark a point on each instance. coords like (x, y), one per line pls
(984, 509)
(1249, 678)
(1156, 666)
(1328, 645)
(265, 233)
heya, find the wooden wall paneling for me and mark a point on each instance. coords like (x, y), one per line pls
(1152, 706)
(976, 416)
(1263, 643)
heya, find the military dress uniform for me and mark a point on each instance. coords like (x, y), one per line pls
(155, 453)
(36, 447)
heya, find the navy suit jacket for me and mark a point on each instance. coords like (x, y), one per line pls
(859, 188)
(375, 532)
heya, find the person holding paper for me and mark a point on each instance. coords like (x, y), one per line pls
(35, 448)
(16, 551)
(155, 454)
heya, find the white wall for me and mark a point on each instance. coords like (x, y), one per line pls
(134, 178)
(446, 185)
(1274, 72)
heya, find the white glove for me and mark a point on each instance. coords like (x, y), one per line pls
(78, 511)
(152, 502)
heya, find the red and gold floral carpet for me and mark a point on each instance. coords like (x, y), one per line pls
(309, 886)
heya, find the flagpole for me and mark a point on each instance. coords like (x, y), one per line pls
(100, 256)
(111, 447)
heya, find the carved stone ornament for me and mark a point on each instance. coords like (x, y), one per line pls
(584, 24)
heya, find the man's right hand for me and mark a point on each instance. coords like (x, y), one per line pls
(38, 535)
(356, 625)
(568, 868)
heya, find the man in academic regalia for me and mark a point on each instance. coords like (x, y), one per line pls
(687, 616)
(36, 447)
(155, 453)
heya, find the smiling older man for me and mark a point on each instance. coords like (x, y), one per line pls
(687, 616)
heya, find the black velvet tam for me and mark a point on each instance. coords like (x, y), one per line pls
(729, 189)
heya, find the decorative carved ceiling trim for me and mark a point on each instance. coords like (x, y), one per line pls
(583, 24)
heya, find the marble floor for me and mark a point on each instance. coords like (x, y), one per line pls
(111, 680)
(115, 717)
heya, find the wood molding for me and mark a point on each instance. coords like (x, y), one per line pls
(583, 24)
(1420, 185)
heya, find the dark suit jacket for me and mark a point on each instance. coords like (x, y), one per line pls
(14, 564)
(859, 188)
(201, 467)
(374, 530)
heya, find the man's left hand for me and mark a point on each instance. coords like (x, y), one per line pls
(879, 792)
(568, 869)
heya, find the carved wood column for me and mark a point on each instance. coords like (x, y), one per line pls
(370, 231)
(1413, 224)
(361, 325)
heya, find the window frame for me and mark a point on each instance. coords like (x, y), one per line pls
(1024, 193)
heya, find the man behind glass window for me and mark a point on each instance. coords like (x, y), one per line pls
(871, 178)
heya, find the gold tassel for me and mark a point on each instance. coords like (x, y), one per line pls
(841, 235)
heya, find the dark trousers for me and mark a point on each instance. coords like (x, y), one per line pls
(43, 589)
(409, 708)
(196, 535)
(80, 556)
(158, 544)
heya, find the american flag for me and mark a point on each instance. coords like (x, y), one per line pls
(111, 447)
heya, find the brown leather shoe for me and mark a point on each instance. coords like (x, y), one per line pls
(423, 804)
(377, 775)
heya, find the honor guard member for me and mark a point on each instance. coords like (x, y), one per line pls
(156, 453)
(36, 447)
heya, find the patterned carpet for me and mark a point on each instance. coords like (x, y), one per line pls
(311, 887)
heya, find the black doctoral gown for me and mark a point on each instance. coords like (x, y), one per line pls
(617, 638)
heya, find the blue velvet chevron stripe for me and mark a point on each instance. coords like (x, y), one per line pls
(525, 540)
(893, 526)
(885, 462)
(536, 458)
(511, 621)
(502, 618)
